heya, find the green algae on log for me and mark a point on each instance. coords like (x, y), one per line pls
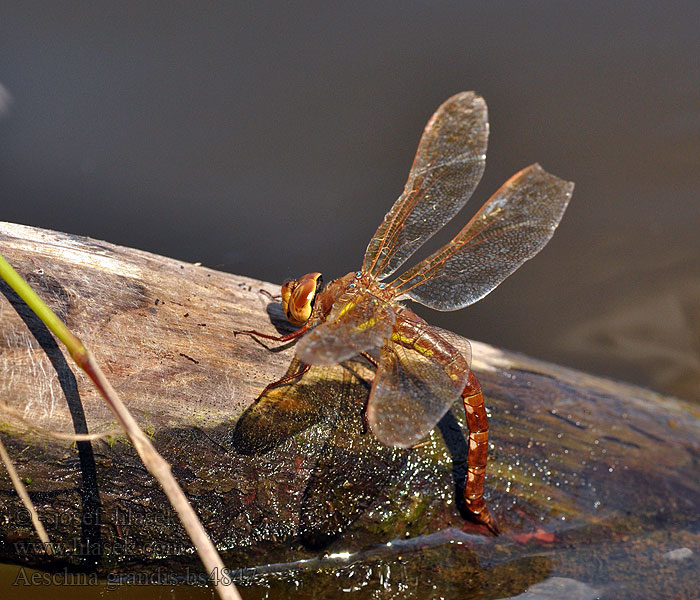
(581, 469)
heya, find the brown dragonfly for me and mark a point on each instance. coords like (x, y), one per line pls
(420, 369)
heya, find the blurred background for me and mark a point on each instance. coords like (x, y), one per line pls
(269, 142)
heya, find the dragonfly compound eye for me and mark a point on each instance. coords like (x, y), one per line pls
(298, 297)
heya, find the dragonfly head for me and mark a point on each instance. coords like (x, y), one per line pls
(298, 296)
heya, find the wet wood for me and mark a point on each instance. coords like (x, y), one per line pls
(573, 458)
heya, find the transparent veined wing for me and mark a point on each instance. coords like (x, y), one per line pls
(350, 472)
(361, 324)
(462, 345)
(513, 225)
(351, 466)
(446, 170)
(409, 395)
(285, 410)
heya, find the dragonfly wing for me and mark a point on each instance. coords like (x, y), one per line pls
(350, 472)
(409, 395)
(352, 467)
(513, 226)
(361, 324)
(462, 345)
(446, 170)
(281, 412)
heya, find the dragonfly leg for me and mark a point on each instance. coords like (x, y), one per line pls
(277, 338)
(375, 363)
(270, 296)
(286, 379)
(477, 455)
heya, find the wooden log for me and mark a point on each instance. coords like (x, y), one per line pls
(575, 460)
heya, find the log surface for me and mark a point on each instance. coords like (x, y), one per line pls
(576, 461)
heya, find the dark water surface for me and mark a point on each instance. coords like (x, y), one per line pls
(270, 142)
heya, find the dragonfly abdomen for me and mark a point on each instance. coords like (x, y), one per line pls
(413, 332)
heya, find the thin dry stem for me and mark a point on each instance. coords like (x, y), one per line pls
(160, 469)
(154, 462)
(59, 435)
(26, 500)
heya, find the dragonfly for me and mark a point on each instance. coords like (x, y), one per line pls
(422, 370)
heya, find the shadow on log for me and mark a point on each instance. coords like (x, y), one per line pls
(591, 480)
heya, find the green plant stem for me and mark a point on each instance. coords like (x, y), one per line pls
(154, 462)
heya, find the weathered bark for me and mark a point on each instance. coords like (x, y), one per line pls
(575, 459)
